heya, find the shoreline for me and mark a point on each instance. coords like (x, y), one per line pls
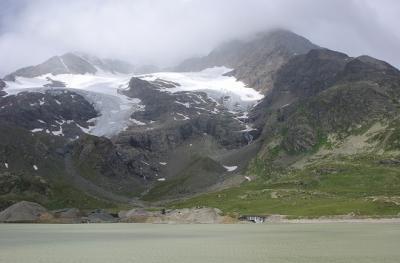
(337, 220)
(268, 222)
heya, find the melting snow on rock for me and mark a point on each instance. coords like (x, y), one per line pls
(102, 90)
(230, 168)
(212, 81)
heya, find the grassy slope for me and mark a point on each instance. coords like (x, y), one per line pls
(61, 195)
(358, 185)
(49, 185)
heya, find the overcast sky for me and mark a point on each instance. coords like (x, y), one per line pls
(164, 32)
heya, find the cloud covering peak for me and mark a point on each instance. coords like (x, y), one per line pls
(166, 32)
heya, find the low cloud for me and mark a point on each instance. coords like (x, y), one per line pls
(164, 32)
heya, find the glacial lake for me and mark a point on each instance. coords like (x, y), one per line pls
(244, 243)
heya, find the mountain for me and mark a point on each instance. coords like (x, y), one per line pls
(325, 93)
(253, 61)
(329, 133)
(319, 137)
(73, 63)
(114, 138)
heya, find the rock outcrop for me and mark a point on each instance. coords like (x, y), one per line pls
(177, 216)
(2, 86)
(57, 112)
(23, 212)
(100, 216)
(326, 92)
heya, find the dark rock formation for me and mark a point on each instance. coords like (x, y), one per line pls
(67, 213)
(178, 117)
(2, 86)
(325, 92)
(100, 216)
(107, 165)
(57, 112)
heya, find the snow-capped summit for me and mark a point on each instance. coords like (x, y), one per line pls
(73, 63)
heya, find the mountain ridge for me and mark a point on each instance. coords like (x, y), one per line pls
(324, 118)
(254, 61)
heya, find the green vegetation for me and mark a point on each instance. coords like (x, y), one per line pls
(54, 195)
(358, 185)
(64, 195)
(201, 173)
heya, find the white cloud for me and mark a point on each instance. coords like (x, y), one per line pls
(165, 32)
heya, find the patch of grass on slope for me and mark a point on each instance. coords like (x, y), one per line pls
(361, 186)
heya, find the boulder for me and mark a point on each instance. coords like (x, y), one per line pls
(67, 213)
(204, 215)
(23, 212)
(189, 216)
(137, 215)
(101, 216)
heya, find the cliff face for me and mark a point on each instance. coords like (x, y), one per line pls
(325, 92)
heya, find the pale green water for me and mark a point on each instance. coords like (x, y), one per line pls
(143, 243)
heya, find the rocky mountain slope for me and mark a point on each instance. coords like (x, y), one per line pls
(324, 140)
(329, 135)
(325, 93)
(254, 61)
(113, 137)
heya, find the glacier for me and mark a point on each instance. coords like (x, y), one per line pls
(103, 91)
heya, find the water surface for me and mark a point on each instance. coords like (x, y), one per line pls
(145, 243)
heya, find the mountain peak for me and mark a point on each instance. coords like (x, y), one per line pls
(73, 63)
(255, 60)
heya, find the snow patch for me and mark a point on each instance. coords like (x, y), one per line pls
(186, 104)
(230, 168)
(35, 167)
(37, 130)
(63, 63)
(161, 179)
(137, 122)
(59, 132)
(183, 116)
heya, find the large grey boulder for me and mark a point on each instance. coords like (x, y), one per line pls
(205, 215)
(138, 215)
(67, 213)
(100, 216)
(23, 212)
(133, 213)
